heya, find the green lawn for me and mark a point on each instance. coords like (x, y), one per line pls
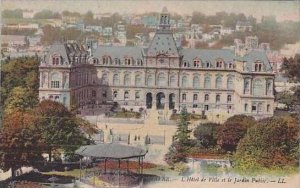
(191, 117)
(127, 114)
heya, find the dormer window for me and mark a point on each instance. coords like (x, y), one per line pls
(116, 61)
(196, 63)
(127, 61)
(105, 60)
(139, 62)
(258, 67)
(55, 60)
(207, 64)
(95, 61)
(219, 63)
(185, 64)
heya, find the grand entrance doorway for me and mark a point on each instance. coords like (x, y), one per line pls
(172, 101)
(160, 100)
(149, 100)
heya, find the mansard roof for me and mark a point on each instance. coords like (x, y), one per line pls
(208, 55)
(59, 49)
(257, 55)
(65, 50)
(119, 52)
(163, 43)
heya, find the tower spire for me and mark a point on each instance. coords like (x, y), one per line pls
(164, 23)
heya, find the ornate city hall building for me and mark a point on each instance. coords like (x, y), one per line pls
(161, 76)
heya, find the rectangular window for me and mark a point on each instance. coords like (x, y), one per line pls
(253, 108)
(206, 108)
(246, 108)
(54, 84)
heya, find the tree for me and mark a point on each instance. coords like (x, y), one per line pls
(207, 134)
(58, 127)
(287, 98)
(234, 129)
(291, 68)
(20, 99)
(50, 35)
(183, 133)
(272, 143)
(20, 144)
(177, 153)
(20, 82)
(88, 18)
(47, 14)
(201, 45)
(17, 13)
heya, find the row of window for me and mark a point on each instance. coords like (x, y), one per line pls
(162, 81)
(258, 87)
(219, 64)
(106, 60)
(256, 108)
(206, 98)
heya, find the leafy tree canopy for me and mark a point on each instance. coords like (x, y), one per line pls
(272, 143)
(207, 134)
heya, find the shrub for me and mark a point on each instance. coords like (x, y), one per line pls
(181, 167)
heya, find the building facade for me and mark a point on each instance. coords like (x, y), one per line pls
(162, 76)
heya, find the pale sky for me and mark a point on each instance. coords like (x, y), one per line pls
(283, 10)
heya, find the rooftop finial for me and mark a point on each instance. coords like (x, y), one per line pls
(164, 10)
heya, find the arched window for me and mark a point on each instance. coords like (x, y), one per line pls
(219, 82)
(218, 98)
(104, 78)
(127, 80)
(185, 64)
(161, 81)
(116, 79)
(219, 63)
(258, 67)
(150, 80)
(196, 82)
(95, 61)
(228, 98)
(55, 80)
(206, 97)
(115, 94)
(127, 61)
(126, 95)
(173, 81)
(196, 63)
(195, 97)
(207, 82)
(257, 87)
(55, 60)
(230, 83)
(138, 80)
(184, 81)
(105, 60)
